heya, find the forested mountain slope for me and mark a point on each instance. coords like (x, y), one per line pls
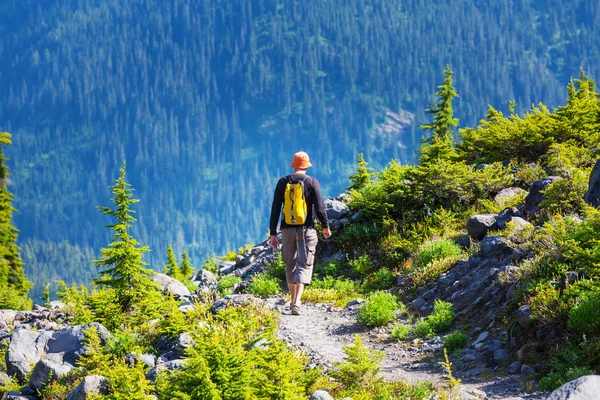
(208, 101)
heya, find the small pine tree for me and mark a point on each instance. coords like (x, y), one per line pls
(363, 175)
(13, 284)
(361, 366)
(122, 260)
(171, 268)
(440, 145)
(186, 267)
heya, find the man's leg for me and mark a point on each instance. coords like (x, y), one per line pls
(305, 259)
(299, 290)
(288, 255)
(292, 287)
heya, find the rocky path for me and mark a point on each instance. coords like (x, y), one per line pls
(322, 330)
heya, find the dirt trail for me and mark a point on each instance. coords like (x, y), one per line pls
(322, 330)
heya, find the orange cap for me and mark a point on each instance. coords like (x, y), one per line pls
(301, 161)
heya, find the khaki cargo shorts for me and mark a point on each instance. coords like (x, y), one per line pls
(298, 246)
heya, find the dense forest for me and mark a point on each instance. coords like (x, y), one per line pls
(208, 101)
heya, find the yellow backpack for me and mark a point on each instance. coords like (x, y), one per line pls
(295, 208)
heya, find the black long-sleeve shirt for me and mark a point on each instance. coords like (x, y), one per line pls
(314, 199)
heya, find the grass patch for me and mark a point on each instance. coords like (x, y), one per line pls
(226, 284)
(455, 341)
(263, 286)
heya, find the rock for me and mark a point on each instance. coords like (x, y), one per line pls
(492, 245)
(320, 395)
(356, 217)
(335, 209)
(418, 303)
(526, 370)
(524, 316)
(494, 345)
(507, 194)
(479, 225)
(235, 300)
(584, 388)
(25, 350)
(355, 302)
(227, 267)
(171, 285)
(592, 196)
(506, 215)
(18, 396)
(514, 368)
(185, 307)
(501, 355)
(92, 384)
(7, 316)
(148, 359)
(482, 336)
(430, 294)
(70, 341)
(48, 370)
(57, 305)
(535, 196)
(185, 341)
(206, 281)
(472, 394)
(335, 224)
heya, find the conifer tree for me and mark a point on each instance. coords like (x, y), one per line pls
(171, 268)
(440, 144)
(362, 176)
(13, 284)
(122, 260)
(186, 268)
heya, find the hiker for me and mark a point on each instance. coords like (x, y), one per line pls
(299, 194)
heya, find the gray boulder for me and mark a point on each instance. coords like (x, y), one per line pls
(205, 281)
(335, 209)
(93, 384)
(48, 370)
(492, 245)
(592, 196)
(479, 225)
(535, 196)
(227, 267)
(169, 285)
(18, 396)
(507, 194)
(501, 355)
(524, 316)
(514, 368)
(25, 349)
(320, 395)
(70, 341)
(506, 215)
(584, 388)
(235, 300)
(7, 316)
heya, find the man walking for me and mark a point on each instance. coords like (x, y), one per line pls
(298, 233)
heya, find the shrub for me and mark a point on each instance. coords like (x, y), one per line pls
(436, 250)
(330, 290)
(400, 331)
(277, 269)
(264, 286)
(382, 279)
(455, 341)
(585, 316)
(362, 266)
(226, 283)
(361, 366)
(442, 317)
(422, 328)
(565, 196)
(378, 310)
(554, 380)
(548, 308)
(330, 269)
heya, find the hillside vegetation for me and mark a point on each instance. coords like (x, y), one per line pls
(405, 234)
(203, 98)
